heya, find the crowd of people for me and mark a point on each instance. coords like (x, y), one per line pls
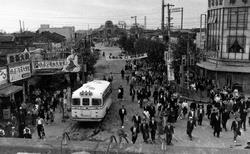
(35, 113)
(161, 106)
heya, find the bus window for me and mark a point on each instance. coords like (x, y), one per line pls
(76, 101)
(85, 101)
(96, 102)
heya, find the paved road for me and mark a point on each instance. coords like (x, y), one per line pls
(203, 135)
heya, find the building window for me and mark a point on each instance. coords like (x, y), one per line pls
(232, 1)
(220, 2)
(236, 44)
(244, 1)
(237, 18)
(212, 19)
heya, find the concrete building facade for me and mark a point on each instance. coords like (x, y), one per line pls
(228, 43)
(68, 32)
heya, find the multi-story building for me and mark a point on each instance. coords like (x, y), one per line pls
(200, 40)
(68, 32)
(228, 43)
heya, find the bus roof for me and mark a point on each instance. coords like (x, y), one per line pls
(96, 87)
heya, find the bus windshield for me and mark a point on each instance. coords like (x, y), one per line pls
(96, 102)
(76, 101)
(85, 101)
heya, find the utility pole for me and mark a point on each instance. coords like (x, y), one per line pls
(20, 26)
(23, 26)
(179, 10)
(162, 16)
(145, 22)
(135, 17)
(169, 38)
(181, 18)
(188, 59)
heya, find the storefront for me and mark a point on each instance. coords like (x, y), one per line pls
(19, 72)
(8, 92)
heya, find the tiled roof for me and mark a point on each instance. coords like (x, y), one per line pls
(6, 38)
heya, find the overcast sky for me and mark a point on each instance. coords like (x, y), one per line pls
(81, 13)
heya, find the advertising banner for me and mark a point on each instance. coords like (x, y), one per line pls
(20, 72)
(3, 76)
(49, 64)
(127, 57)
(72, 64)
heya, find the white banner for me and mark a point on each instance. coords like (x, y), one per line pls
(49, 64)
(19, 72)
(3, 76)
(127, 57)
(170, 73)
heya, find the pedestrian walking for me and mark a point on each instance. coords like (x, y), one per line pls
(200, 115)
(122, 114)
(224, 118)
(190, 127)
(243, 117)
(137, 120)
(122, 74)
(217, 126)
(120, 93)
(235, 127)
(127, 79)
(145, 131)
(155, 96)
(169, 130)
(110, 78)
(132, 93)
(134, 130)
(153, 128)
(40, 127)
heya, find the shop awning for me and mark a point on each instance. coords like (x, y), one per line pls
(7, 91)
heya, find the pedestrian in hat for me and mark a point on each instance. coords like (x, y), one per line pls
(145, 130)
(122, 114)
(135, 131)
(169, 130)
(217, 126)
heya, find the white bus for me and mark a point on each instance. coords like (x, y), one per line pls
(91, 101)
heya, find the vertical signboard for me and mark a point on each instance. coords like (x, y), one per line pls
(3, 75)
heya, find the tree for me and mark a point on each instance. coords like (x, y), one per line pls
(153, 48)
(86, 56)
(126, 44)
(180, 48)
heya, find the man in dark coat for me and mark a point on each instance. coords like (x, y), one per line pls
(217, 127)
(134, 130)
(200, 114)
(243, 117)
(137, 120)
(145, 131)
(120, 92)
(151, 110)
(236, 128)
(225, 117)
(155, 95)
(209, 109)
(213, 114)
(169, 130)
(122, 73)
(190, 127)
(122, 114)
(153, 128)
